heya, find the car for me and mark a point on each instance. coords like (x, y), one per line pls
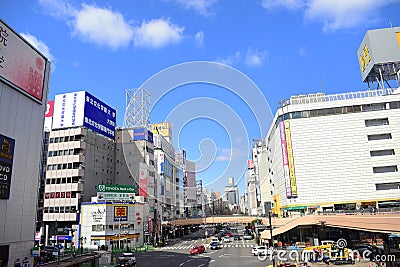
(260, 250)
(227, 239)
(228, 234)
(215, 245)
(127, 260)
(368, 251)
(237, 237)
(197, 249)
(215, 239)
(247, 237)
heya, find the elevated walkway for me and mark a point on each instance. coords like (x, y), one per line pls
(381, 223)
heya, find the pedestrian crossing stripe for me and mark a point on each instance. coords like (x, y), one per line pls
(207, 246)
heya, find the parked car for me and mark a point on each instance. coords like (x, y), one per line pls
(215, 245)
(197, 249)
(215, 239)
(227, 239)
(368, 251)
(260, 250)
(237, 237)
(127, 260)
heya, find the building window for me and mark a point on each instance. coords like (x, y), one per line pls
(386, 152)
(387, 186)
(384, 169)
(374, 137)
(376, 122)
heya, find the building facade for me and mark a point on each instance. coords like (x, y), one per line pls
(22, 110)
(329, 152)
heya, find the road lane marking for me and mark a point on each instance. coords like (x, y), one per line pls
(212, 261)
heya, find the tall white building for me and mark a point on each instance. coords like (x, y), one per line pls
(231, 193)
(80, 156)
(338, 151)
(23, 100)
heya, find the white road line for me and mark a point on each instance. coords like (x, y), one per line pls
(200, 265)
(212, 261)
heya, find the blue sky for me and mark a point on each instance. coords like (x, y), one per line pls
(285, 47)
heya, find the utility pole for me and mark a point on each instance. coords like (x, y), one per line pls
(272, 238)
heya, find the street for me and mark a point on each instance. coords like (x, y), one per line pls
(235, 253)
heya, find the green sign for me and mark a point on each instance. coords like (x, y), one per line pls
(151, 209)
(116, 188)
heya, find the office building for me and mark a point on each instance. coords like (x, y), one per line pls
(80, 156)
(231, 193)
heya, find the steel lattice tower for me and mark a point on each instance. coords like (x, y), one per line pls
(137, 113)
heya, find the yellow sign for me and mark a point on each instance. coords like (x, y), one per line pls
(365, 58)
(163, 128)
(292, 175)
(398, 38)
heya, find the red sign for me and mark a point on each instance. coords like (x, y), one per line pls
(62, 194)
(47, 195)
(50, 108)
(68, 194)
(58, 194)
(52, 195)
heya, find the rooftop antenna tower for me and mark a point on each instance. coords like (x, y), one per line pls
(137, 113)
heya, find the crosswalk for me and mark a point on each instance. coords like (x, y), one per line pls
(186, 247)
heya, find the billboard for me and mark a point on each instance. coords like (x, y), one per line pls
(21, 65)
(120, 213)
(116, 188)
(285, 159)
(6, 164)
(292, 175)
(143, 179)
(83, 109)
(139, 134)
(379, 54)
(49, 109)
(163, 128)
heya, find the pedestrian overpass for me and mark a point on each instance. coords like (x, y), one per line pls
(379, 222)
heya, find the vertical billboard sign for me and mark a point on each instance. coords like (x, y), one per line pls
(120, 213)
(292, 175)
(143, 179)
(99, 116)
(6, 164)
(68, 110)
(21, 66)
(285, 159)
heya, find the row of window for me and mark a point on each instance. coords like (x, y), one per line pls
(66, 138)
(64, 166)
(65, 152)
(337, 110)
(66, 209)
(63, 180)
(112, 227)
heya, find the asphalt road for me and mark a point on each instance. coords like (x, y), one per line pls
(233, 254)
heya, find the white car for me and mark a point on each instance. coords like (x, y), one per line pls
(247, 237)
(214, 239)
(261, 250)
(227, 239)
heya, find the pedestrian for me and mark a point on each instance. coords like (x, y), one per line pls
(25, 263)
(17, 263)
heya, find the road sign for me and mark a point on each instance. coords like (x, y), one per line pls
(101, 196)
(116, 188)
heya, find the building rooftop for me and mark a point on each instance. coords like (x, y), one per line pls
(322, 97)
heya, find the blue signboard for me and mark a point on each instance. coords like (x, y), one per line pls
(150, 137)
(99, 116)
(139, 134)
(6, 163)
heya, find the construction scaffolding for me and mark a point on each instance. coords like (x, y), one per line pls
(137, 113)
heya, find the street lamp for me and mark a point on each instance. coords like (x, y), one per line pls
(272, 238)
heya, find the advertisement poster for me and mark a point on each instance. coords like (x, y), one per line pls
(285, 159)
(120, 213)
(143, 180)
(6, 163)
(20, 64)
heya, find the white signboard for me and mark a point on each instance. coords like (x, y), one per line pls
(109, 196)
(69, 110)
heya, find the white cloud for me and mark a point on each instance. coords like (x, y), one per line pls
(288, 4)
(231, 60)
(203, 7)
(334, 15)
(103, 26)
(157, 33)
(255, 58)
(342, 14)
(39, 45)
(199, 38)
(302, 51)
